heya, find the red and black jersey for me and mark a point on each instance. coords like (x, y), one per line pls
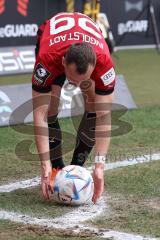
(53, 39)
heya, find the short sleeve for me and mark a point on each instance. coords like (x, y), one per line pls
(104, 75)
(42, 76)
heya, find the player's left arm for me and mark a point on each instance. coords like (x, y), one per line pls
(104, 92)
(103, 105)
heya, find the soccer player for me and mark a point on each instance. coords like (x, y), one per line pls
(70, 46)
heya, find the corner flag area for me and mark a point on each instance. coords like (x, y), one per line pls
(130, 206)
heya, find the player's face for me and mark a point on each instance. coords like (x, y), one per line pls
(74, 77)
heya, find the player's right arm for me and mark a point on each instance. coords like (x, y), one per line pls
(40, 111)
(41, 89)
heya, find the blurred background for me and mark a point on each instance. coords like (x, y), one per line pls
(130, 20)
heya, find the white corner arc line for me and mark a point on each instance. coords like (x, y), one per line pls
(72, 220)
(80, 215)
(62, 223)
(67, 221)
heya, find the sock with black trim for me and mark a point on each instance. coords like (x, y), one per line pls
(85, 138)
(55, 140)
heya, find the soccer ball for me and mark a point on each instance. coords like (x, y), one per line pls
(73, 186)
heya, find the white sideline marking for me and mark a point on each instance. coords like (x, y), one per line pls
(108, 166)
(132, 161)
(20, 185)
(135, 47)
(74, 220)
(125, 236)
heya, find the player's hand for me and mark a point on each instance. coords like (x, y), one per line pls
(45, 178)
(98, 178)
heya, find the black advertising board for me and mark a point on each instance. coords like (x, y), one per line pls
(131, 22)
(17, 60)
(129, 19)
(15, 110)
(19, 20)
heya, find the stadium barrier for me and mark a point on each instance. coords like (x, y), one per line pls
(16, 60)
(17, 110)
(129, 20)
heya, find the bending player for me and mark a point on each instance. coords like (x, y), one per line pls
(70, 45)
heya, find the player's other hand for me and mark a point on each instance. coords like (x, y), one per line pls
(98, 178)
(45, 178)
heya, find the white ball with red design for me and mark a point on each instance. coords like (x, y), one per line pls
(73, 186)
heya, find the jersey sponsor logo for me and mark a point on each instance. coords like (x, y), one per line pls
(41, 74)
(108, 77)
